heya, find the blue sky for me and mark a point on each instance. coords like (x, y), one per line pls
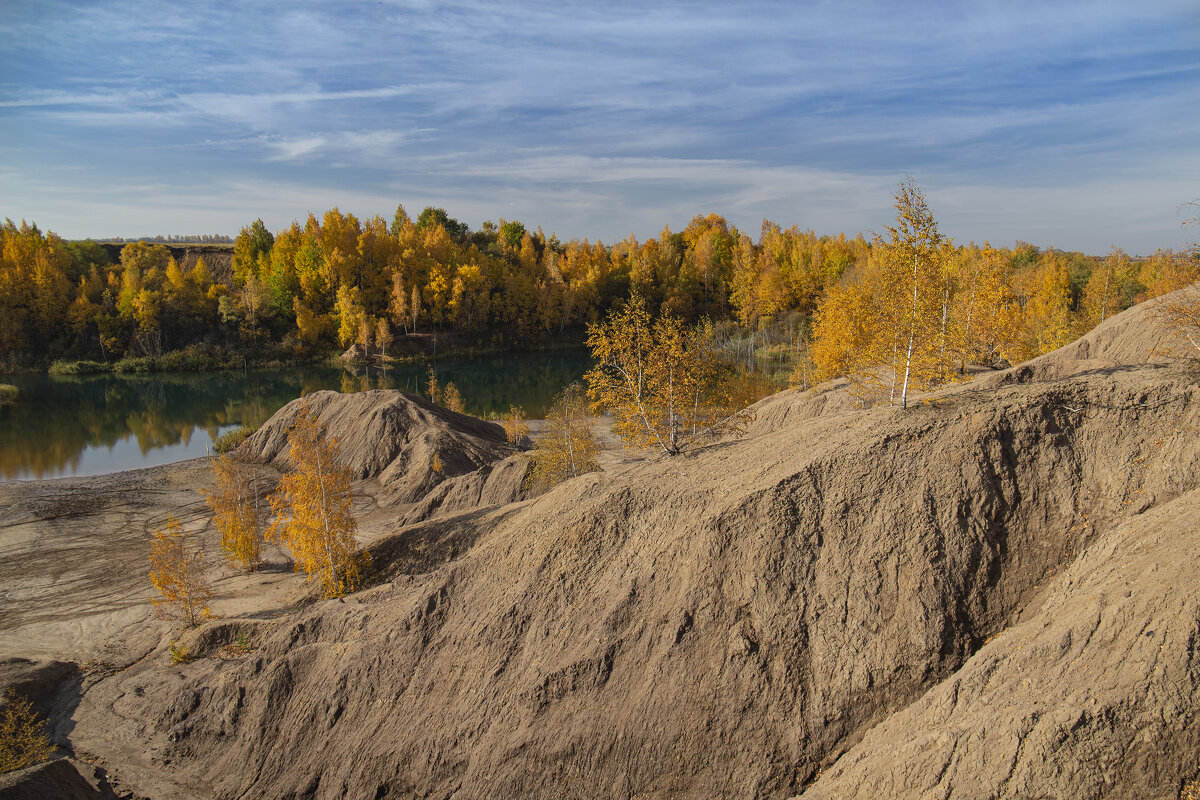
(1066, 124)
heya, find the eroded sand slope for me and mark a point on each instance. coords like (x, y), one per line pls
(878, 602)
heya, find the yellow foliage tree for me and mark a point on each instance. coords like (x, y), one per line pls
(312, 509)
(383, 336)
(236, 512)
(1046, 293)
(911, 296)
(177, 572)
(398, 301)
(1103, 294)
(1180, 310)
(846, 331)
(516, 429)
(348, 310)
(987, 313)
(23, 739)
(366, 335)
(569, 447)
(452, 399)
(1166, 271)
(892, 330)
(1180, 313)
(433, 388)
(666, 387)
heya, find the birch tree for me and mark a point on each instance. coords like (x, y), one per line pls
(911, 255)
(666, 387)
(312, 509)
(237, 512)
(569, 447)
(177, 572)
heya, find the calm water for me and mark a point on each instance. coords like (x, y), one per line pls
(88, 425)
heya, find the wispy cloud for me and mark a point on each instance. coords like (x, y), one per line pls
(599, 116)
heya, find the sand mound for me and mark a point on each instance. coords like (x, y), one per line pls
(391, 437)
(1133, 337)
(730, 622)
(1093, 696)
(795, 406)
(37, 681)
(493, 484)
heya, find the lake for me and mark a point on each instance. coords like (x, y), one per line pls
(93, 424)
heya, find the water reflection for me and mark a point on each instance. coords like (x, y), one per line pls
(86, 425)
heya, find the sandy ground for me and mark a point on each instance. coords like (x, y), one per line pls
(74, 557)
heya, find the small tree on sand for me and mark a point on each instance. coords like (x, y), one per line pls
(237, 512)
(452, 399)
(568, 448)
(433, 388)
(667, 387)
(177, 572)
(516, 428)
(312, 509)
(23, 739)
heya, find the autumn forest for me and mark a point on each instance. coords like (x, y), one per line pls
(322, 285)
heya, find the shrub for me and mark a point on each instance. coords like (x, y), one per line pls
(177, 572)
(569, 447)
(452, 399)
(313, 509)
(179, 653)
(23, 739)
(8, 394)
(241, 644)
(78, 368)
(516, 428)
(143, 364)
(231, 440)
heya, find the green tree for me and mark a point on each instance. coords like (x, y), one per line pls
(432, 217)
(251, 242)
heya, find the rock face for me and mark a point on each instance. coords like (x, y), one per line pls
(389, 436)
(990, 594)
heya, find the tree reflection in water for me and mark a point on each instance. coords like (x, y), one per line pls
(88, 424)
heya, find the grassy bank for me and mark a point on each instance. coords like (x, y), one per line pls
(196, 358)
(229, 441)
(411, 349)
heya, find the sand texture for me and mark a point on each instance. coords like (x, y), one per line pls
(990, 594)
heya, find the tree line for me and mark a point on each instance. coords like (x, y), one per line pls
(918, 310)
(338, 280)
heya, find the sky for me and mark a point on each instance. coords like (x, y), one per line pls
(1065, 124)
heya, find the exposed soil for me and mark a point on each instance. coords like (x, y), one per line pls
(991, 594)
